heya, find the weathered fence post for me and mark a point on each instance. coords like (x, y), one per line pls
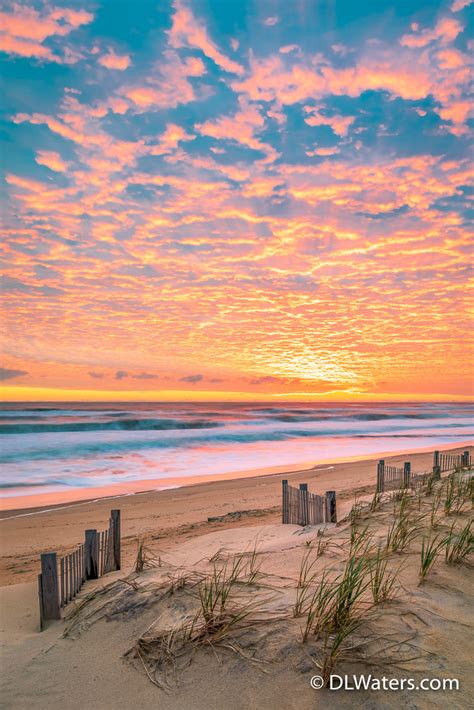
(380, 476)
(40, 599)
(465, 459)
(49, 588)
(303, 504)
(115, 515)
(436, 466)
(406, 474)
(90, 554)
(331, 513)
(284, 502)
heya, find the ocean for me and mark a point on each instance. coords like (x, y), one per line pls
(47, 448)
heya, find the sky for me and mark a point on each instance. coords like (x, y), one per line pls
(236, 199)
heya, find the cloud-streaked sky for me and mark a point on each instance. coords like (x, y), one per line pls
(236, 199)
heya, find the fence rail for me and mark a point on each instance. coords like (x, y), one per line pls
(300, 507)
(396, 478)
(61, 579)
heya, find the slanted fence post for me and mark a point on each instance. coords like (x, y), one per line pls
(381, 476)
(115, 515)
(90, 554)
(406, 474)
(284, 502)
(303, 504)
(436, 466)
(331, 512)
(49, 588)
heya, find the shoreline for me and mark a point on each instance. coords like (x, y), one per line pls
(167, 517)
(62, 499)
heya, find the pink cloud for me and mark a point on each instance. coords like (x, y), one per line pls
(188, 31)
(451, 59)
(446, 30)
(51, 160)
(115, 61)
(24, 29)
(170, 139)
(460, 5)
(271, 21)
(242, 127)
(287, 48)
(323, 151)
(339, 124)
(169, 88)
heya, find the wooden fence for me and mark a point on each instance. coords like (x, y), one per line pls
(61, 579)
(300, 507)
(392, 477)
(396, 478)
(449, 462)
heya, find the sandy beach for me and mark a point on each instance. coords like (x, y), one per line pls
(170, 514)
(93, 660)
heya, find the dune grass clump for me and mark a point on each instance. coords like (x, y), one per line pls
(305, 578)
(404, 528)
(360, 541)
(435, 507)
(459, 546)
(317, 606)
(430, 548)
(375, 502)
(458, 492)
(224, 607)
(383, 580)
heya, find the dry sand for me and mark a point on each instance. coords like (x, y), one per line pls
(87, 668)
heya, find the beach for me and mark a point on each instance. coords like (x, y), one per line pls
(183, 530)
(176, 512)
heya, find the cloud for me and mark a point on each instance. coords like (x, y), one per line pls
(323, 151)
(460, 5)
(7, 374)
(168, 87)
(171, 213)
(241, 127)
(24, 29)
(111, 60)
(51, 160)
(271, 21)
(188, 31)
(287, 48)
(339, 124)
(193, 379)
(123, 374)
(96, 375)
(446, 30)
(266, 379)
(170, 139)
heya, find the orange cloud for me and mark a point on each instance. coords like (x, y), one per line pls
(115, 61)
(51, 160)
(460, 5)
(170, 139)
(24, 29)
(188, 31)
(446, 30)
(339, 124)
(169, 88)
(242, 127)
